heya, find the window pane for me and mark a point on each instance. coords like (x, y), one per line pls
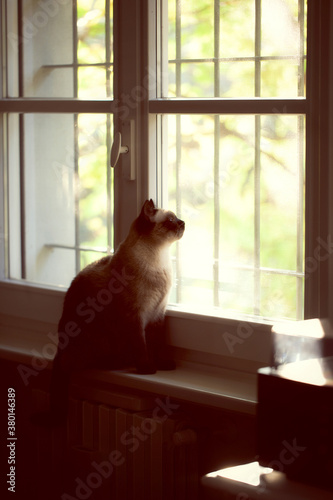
(60, 195)
(236, 49)
(66, 52)
(238, 182)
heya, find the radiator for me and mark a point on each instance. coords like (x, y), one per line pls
(132, 448)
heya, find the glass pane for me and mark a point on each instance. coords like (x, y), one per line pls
(64, 215)
(66, 52)
(279, 295)
(91, 82)
(91, 31)
(190, 75)
(238, 182)
(236, 49)
(233, 74)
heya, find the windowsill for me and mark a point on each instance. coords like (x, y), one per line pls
(211, 371)
(28, 312)
(224, 389)
(214, 387)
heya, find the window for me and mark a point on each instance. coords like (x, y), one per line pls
(59, 180)
(225, 109)
(236, 175)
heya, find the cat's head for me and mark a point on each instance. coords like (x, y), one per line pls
(161, 226)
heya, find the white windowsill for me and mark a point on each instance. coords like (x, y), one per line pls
(219, 388)
(210, 373)
(29, 313)
(214, 387)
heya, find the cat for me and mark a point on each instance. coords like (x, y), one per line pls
(113, 312)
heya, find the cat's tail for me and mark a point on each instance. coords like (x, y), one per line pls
(57, 415)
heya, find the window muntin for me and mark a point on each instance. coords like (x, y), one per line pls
(237, 179)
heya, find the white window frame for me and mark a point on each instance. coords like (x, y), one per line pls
(28, 311)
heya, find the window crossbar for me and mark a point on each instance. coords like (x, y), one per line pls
(79, 248)
(78, 65)
(254, 58)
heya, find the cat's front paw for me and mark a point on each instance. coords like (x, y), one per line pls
(146, 367)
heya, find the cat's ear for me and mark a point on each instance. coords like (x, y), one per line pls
(149, 210)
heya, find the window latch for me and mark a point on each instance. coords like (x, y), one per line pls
(117, 149)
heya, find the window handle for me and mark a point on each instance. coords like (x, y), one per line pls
(117, 149)
(128, 128)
